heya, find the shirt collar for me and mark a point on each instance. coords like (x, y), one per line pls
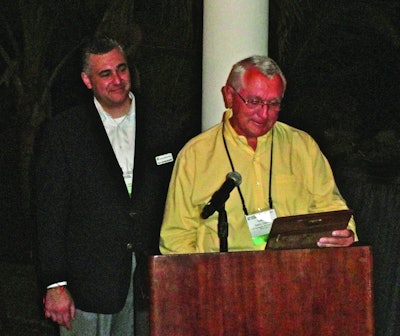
(105, 116)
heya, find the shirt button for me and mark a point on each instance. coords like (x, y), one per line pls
(129, 246)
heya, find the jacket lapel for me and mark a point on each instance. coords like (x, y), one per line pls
(106, 152)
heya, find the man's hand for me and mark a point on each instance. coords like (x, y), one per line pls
(59, 306)
(339, 238)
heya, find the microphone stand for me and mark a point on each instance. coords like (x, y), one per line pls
(223, 229)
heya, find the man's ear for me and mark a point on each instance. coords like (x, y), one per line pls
(86, 80)
(227, 93)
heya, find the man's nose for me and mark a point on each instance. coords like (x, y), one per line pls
(263, 110)
(117, 78)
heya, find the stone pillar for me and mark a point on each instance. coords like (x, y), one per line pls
(232, 30)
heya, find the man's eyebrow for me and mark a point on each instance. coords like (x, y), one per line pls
(107, 71)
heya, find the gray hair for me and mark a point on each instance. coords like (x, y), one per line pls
(98, 46)
(264, 64)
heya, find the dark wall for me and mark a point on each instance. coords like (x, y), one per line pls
(340, 60)
(163, 44)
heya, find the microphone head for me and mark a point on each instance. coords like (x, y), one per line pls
(235, 177)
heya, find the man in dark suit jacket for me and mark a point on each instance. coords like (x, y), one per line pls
(101, 178)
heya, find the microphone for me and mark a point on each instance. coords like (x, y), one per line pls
(233, 179)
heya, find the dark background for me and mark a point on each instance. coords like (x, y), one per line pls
(340, 60)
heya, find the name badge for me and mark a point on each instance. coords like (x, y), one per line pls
(163, 159)
(260, 224)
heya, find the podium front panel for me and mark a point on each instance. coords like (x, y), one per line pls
(286, 292)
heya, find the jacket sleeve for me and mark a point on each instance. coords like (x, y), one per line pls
(52, 196)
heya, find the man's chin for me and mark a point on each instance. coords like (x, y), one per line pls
(260, 131)
(119, 97)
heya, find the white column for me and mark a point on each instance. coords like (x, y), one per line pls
(232, 30)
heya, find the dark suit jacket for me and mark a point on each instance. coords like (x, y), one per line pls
(88, 226)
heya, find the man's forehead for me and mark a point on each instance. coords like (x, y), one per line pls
(256, 74)
(254, 77)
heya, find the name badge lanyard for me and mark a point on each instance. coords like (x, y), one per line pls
(233, 169)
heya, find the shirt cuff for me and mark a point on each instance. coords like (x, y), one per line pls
(57, 284)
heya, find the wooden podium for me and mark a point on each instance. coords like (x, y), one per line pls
(283, 292)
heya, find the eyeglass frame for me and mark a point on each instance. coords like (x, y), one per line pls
(259, 103)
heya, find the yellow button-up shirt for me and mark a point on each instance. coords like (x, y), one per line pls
(302, 182)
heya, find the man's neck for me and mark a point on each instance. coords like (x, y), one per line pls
(115, 111)
(252, 143)
(120, 111)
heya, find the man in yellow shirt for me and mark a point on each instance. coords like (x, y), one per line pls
(282, 168)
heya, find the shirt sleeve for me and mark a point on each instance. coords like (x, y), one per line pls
(181, 218)
(327, 196)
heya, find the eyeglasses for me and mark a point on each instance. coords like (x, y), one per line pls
(255, 103)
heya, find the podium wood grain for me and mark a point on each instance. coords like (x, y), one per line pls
(286, 292)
